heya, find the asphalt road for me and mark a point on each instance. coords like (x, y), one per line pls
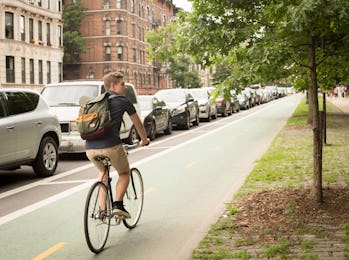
(188, 177)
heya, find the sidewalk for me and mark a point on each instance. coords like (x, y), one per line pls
(341, 103)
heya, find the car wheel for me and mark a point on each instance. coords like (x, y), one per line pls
(186, 125)
(214, 116)
(197, 120)
(168, 130)
(152, 131)
(46, 160)
(132, 137)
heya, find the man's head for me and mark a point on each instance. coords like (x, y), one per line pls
(115, 81)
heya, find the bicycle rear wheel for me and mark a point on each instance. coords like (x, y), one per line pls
(133, 198)
(97, 217)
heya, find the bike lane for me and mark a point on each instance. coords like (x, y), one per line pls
(186, 187)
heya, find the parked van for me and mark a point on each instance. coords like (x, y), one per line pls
(63, 99)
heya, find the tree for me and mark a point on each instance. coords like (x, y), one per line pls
(73, 14)
(162, 50)
(304, 40)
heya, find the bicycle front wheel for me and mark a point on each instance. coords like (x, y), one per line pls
(97, 217)
(133, 198)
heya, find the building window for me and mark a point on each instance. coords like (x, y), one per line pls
(9, 25)
(133, 9)
(31, 71)
(31, 30)
(107, 53)
(134, 55)
(40, 72)
(48, 72)
(119, 26)
(48, 4)
(118, 4)
(59, 5)
(39, 3)
(106, 4)
(22, 27)
(10, 69)
(40, 30)
(59, 35)
(107, 27)
(133, 30)
(60, 72)
(120, 53)
(48, 34)
(23, 70)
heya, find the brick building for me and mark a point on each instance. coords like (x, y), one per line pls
(31, 52)
(114, 37)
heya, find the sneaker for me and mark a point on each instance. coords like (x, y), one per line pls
(120, 211)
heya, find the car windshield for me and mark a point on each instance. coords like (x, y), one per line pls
(145, 103)
(171, 96)
(68, 95)
(199, 94)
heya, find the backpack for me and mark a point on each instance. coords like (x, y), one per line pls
(94, 119)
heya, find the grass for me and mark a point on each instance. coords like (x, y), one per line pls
(286, 164)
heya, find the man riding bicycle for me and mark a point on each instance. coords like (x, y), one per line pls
(110, 145)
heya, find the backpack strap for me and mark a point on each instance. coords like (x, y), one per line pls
(111, 96)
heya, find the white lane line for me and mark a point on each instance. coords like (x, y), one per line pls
(45, 181)
(69, 182)
(43, 203)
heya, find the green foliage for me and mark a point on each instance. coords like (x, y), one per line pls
(73, 14)
(179, 72)
(277, 35)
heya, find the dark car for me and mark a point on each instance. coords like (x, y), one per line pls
(184, 108)
(156, 115)
(234, 101)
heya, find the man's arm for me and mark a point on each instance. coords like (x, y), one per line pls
(140, 129)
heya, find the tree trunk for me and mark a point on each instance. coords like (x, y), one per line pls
(317, 144)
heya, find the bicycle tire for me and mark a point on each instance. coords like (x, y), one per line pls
(134, 198)
(97, 219)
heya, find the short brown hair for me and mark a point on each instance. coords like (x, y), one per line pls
(112, 77)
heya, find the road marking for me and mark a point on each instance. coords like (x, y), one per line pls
(191, 164)
(45, 181)
(50, 251)
(147, 191)
(69, 182)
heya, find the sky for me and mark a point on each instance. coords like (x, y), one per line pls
(183, 3)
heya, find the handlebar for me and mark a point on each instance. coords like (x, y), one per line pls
(134, 145)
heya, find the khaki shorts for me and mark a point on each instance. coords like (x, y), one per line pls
(117, 155)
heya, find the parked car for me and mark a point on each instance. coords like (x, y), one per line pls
(29, 133)
(63, 99)
(274, 91)
(207, 107)
(251, 96)
(184, 108)
(234, 101)
(156, 115)
(243, 101)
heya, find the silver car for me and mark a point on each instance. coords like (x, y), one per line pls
(29, 133)
(207, 107)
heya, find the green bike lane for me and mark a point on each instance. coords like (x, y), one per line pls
(186, 188)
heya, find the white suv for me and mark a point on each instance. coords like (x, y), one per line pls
(29, 133)
(63, 99)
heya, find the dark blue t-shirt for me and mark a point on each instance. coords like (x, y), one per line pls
(118, 106)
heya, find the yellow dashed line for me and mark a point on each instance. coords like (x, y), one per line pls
(191, 164)
(50, 251)
(147, 191)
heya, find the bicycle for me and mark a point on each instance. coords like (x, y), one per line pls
(98, 215)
